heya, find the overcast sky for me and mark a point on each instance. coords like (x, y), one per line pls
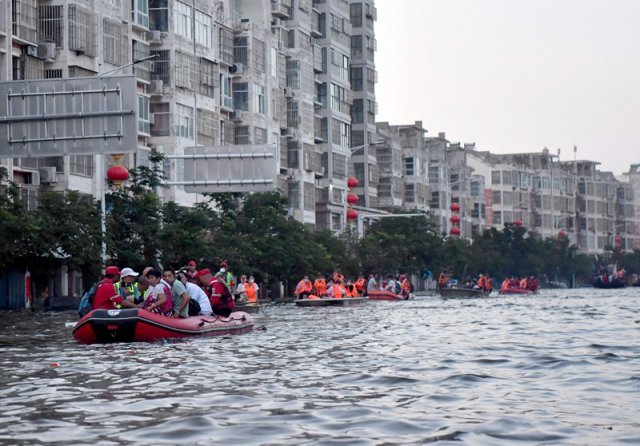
(516, 75)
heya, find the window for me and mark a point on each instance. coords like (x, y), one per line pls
(356, 15)
(408, 166)
(226, 99)
(356, 47)
(345, 130)
(343, 67)
(81, 165)
(259, 135)
(339, 171)
(321, 94)
(159, 15)
(309, 197)
(336, 222)
(140, 13)
(293, 74)
(203, 29)
(476, 188)
(241, 96)
(241, 135)
(183, 20)
(357, 113)
(82, 30)
(184, 121)
(259, 99)
(506, 177)
(496, 197)
(143, 114)
(226, 45)
(357, 138)
(495, 177)
(241, 50)
(274, 62)
(338, 99)
(206, 127)
(356, 78)
(112, 33)
(434, 203)
(409, 193)
(497, 217)
(434, 175)
(50, 24)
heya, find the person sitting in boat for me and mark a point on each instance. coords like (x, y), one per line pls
(219, 294)
(443, 279)
(361, 285)
(241, 294)
(227, 276)
(532, 284)
(106, 297)
(523, 283)
(352, 291)
(251, 290)
(391, 284)
(195, 293)
(179, 295)
(505, 284)
(372, 284)
(405, 287)
(304, 288)
(192, 268)
(159, 299)
(320, 286)
(127, 287)
(336, 290)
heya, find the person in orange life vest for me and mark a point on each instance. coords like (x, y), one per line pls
(361, 285)
(320, 285)
(351, 289)
(251, 289)
(483, 283)
(532, 284)
(336, 290)
(218, 292)
(443, 279)
(523, 283)
(106, 297)
(405, 286)
(505, 284)
(338, 277)
(304, 288)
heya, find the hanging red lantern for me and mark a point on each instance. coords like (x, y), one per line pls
(455, 219)
(455, 207)
(562, 234)
(351, 214)
(352, 198)
(518, 223)
(455, 230)
(117, 173)
(352, 182)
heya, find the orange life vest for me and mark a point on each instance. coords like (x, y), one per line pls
(250, 289)
(351, 291)
(303, 287)
(360, 284)
(442, 280)
(483, 284)
(406, 286)
(337, 291)
(321, 287)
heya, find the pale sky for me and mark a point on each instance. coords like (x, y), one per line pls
(515, 75)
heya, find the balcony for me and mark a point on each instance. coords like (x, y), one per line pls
(280, 9)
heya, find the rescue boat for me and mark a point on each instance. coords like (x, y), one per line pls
(315, 301)
(504, 291)
(384, 295)
(137, 325)
(456, 293)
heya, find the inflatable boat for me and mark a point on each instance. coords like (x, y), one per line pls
(314, 301)
(514, 291)
(384, 295)
(462, 293)
(136, 325)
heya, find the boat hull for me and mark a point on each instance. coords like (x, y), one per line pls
(384, 295)
(515, 291)
(462, 293)
(136, 325)
(330, 302)
(252, 308)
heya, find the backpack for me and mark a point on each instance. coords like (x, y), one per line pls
(86, 303)
(194, 307)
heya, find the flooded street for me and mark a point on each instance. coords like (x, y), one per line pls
(560, 368)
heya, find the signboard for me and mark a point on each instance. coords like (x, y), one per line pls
(249, 168)
(78, 116)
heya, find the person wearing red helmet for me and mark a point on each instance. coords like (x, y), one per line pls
(107, 298)
(218, 292)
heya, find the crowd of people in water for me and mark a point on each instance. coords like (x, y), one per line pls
(485, 283)
(337, 287)
(179, 294)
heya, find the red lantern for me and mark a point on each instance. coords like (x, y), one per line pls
(455, 207)
(455, 219)
(352, 198)
(117, 174)
(455, 230)
(518, 223)
(618, 241)
(352, 182)
(562, 234)
(351, 214)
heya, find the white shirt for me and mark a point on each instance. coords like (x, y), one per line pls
(196, 293)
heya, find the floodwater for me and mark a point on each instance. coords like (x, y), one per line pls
(559, 368)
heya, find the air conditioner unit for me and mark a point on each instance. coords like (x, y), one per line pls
(47, 51)
(48, 175)
(155, 36)
(156, 86)
(291, 131)
(236, 69)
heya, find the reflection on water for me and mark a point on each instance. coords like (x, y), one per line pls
(559, 368)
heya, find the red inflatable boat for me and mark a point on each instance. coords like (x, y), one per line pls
(514, 291)
(136, 325)
(384, 295)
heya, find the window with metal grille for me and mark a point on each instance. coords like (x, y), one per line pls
(259, 135)
(161, 66)
(241, 96)
(241, 50)
(52, 74)
(259, 99)
(208, 78)
(226, 45)
(293, 74)
(206, 127)
(24, 19)
(309, 197)
(81, 165)
(50, 24)
(82, 30)
(112, 47)
(339, 165)
(186, 71)
(241, 135)
(258, 55)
